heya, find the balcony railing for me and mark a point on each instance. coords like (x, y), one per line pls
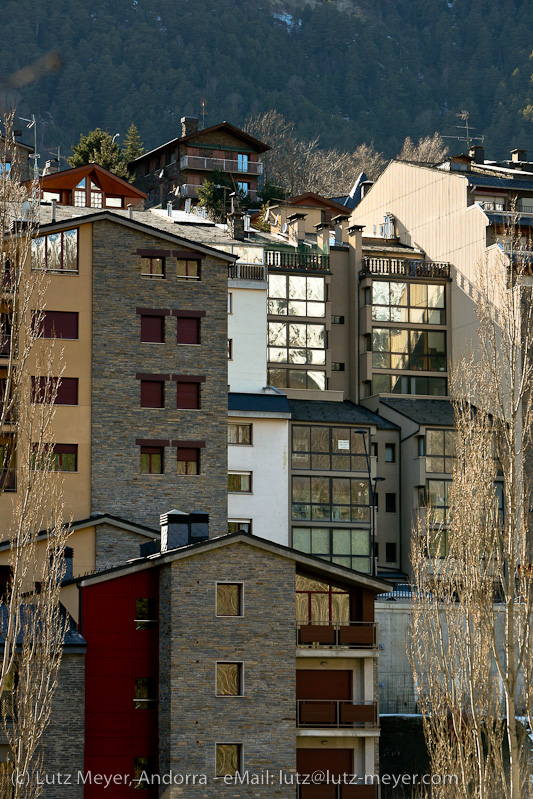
(189, 190)
(333, 635)
(404, 267)
(297, 261)
(343, 791)
(224, 164)
(243, 271)
(318, 713)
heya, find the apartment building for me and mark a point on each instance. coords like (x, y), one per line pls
(173, 172)
(190, 686)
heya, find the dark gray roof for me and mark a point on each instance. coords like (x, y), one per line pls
(510, 219)
(273, 403)
(336, 412)
(494, 182)
(72, 637)
(423, 411)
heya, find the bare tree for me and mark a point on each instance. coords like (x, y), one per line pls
(31, 620)
(471, 647)
(298, 166)
(428, 150)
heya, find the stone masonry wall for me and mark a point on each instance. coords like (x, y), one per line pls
(192, 718)
(63, 740)
(117, 355)
(115, 545)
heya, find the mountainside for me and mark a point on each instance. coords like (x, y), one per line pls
(347, 70)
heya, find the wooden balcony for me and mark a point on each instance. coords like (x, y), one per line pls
(337, 635)
(405, 267)
(243, 271)
(339, 713)
(297, 261)
(223, 164)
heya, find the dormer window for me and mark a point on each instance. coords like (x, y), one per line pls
(79, 195)
(88, 196)
(96, 196)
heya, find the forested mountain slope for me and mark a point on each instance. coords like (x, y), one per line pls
(347, 70)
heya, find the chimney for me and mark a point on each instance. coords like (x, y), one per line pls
(518, 155)
(54, 210)
(236, 220)
(322, 237)
(169, 209)
(69, 558)
(366, 185)
(178, 529)
(130, 211)
(339, 221)
(296, 227)
(189, 125)
(477, 153)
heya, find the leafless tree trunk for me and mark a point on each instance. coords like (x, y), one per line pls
(428, 150)
(31, 620)
(471, 647)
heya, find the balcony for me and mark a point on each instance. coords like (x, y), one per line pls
(224, 164)
(339, 713)
(297, 261)
(243, 271)
(189, 189)
(336, 635)
(337, 791)
(405, 267)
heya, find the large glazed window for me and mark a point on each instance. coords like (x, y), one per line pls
(328, 448)
(296, 295)
(347, 547)
(418, 350)
(57, 252)
(296, 342)
(297, 378)
(317, 601)
(341, 499)
(440, 451)
(417, 303)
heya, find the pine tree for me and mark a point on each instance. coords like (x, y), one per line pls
(98, 147)
(132, 147)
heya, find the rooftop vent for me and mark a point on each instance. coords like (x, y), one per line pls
(477, 153)
(178, 529)
(519, 155)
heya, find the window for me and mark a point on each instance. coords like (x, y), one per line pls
(188, 269)
(390, 503)
(229, 679)
(296, 296)
(230, 302)
(347, 547)
(230, 349)
(440, 451)
(143, 773)
(43, 390)
(228, 759)
(337, 367)
(152, 329)
(57, 252)
(398, 384)
(390, 453)
(234, 526)
(152, 460)
(8, 471)
(6, 321)
(188, 395)
(96, 196)
(328, 448)
(320, 601)
(239, 433)
(145, 693)
(152, 393)
(145, 613)
(296, 342)
(5, 168)
(59, 324)
(390, 553)
(337, 320)
(437, 498)
(62, 458)
(243, 186)
(188, 461)
(80, 194)
(421, 446)
(242, 162)
(153, 267)
(420, 350)
(337, 499)
(188, 330)
(417, 303)
(240, 482)
(297, 378)
(229, 599)
(374, 449)
(113, 202)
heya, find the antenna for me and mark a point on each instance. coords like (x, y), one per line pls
(203, 111)
(465, 116)
(35, 156)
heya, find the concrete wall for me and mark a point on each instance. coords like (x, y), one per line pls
(267, 459)
(192, 718)
(247, 329)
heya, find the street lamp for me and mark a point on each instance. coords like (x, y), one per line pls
(114, 137)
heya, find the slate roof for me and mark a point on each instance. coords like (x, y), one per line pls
(494, 182)
(337, 413)
(272, 403)
(72, 637)
(423, 411)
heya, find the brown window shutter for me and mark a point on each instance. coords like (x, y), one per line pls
(67, 392)
(152, 394)
(188, 330)
(153, 328)
(188, 395)
(60, 324)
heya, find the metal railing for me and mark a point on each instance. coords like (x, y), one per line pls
(224, 164)
(243, 271)
(297, 261)
(404, 267)
(333, 635)
(318, 713)
(189, 189)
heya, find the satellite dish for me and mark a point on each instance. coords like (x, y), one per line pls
(284, 228)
